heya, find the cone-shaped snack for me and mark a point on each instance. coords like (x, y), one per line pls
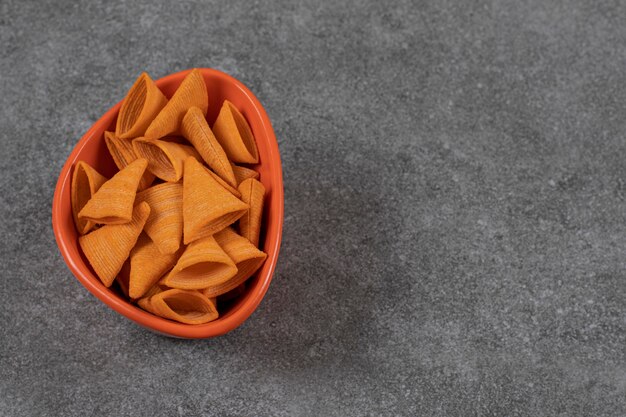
(223, 183)
(189, 307)
(141, 105)
(123, 277)
(191, 92)
(122, 152)
(113, 202)
(85, 182)
(252, 192)
(165, 159)
(234, 134)
(207, 206)
(246, 256)
(147, 265)
(107, 248)
(165, 224)
(243, 173)
(202, 264)
(155, 289)
(232, 294)
(197, 131)
(144, 302)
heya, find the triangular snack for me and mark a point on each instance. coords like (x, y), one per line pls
(85, 182)
(165, 159)
(123, 277)
(223, 183)
(165, 224)
(146, 305)
(189, 307)
(122, 152)
(155, 289)
(202, 264)
(246, 256)
(197, 131)
(113, 202)
(252, 192)
(144, 302)
(191, 92)
(207, 206)
(243, 173)
(147, 265)
(107, 248)
(234, 134)
(141, 105)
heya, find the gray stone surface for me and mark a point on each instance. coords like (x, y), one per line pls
(455, 209)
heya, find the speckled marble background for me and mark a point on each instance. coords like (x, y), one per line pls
(455, 185)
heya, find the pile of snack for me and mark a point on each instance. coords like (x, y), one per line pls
(178, 225)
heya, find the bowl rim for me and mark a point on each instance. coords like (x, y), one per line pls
(135, 314)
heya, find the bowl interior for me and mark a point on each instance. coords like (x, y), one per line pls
(92, 149)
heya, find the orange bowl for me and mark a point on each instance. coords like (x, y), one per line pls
(92, 149)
